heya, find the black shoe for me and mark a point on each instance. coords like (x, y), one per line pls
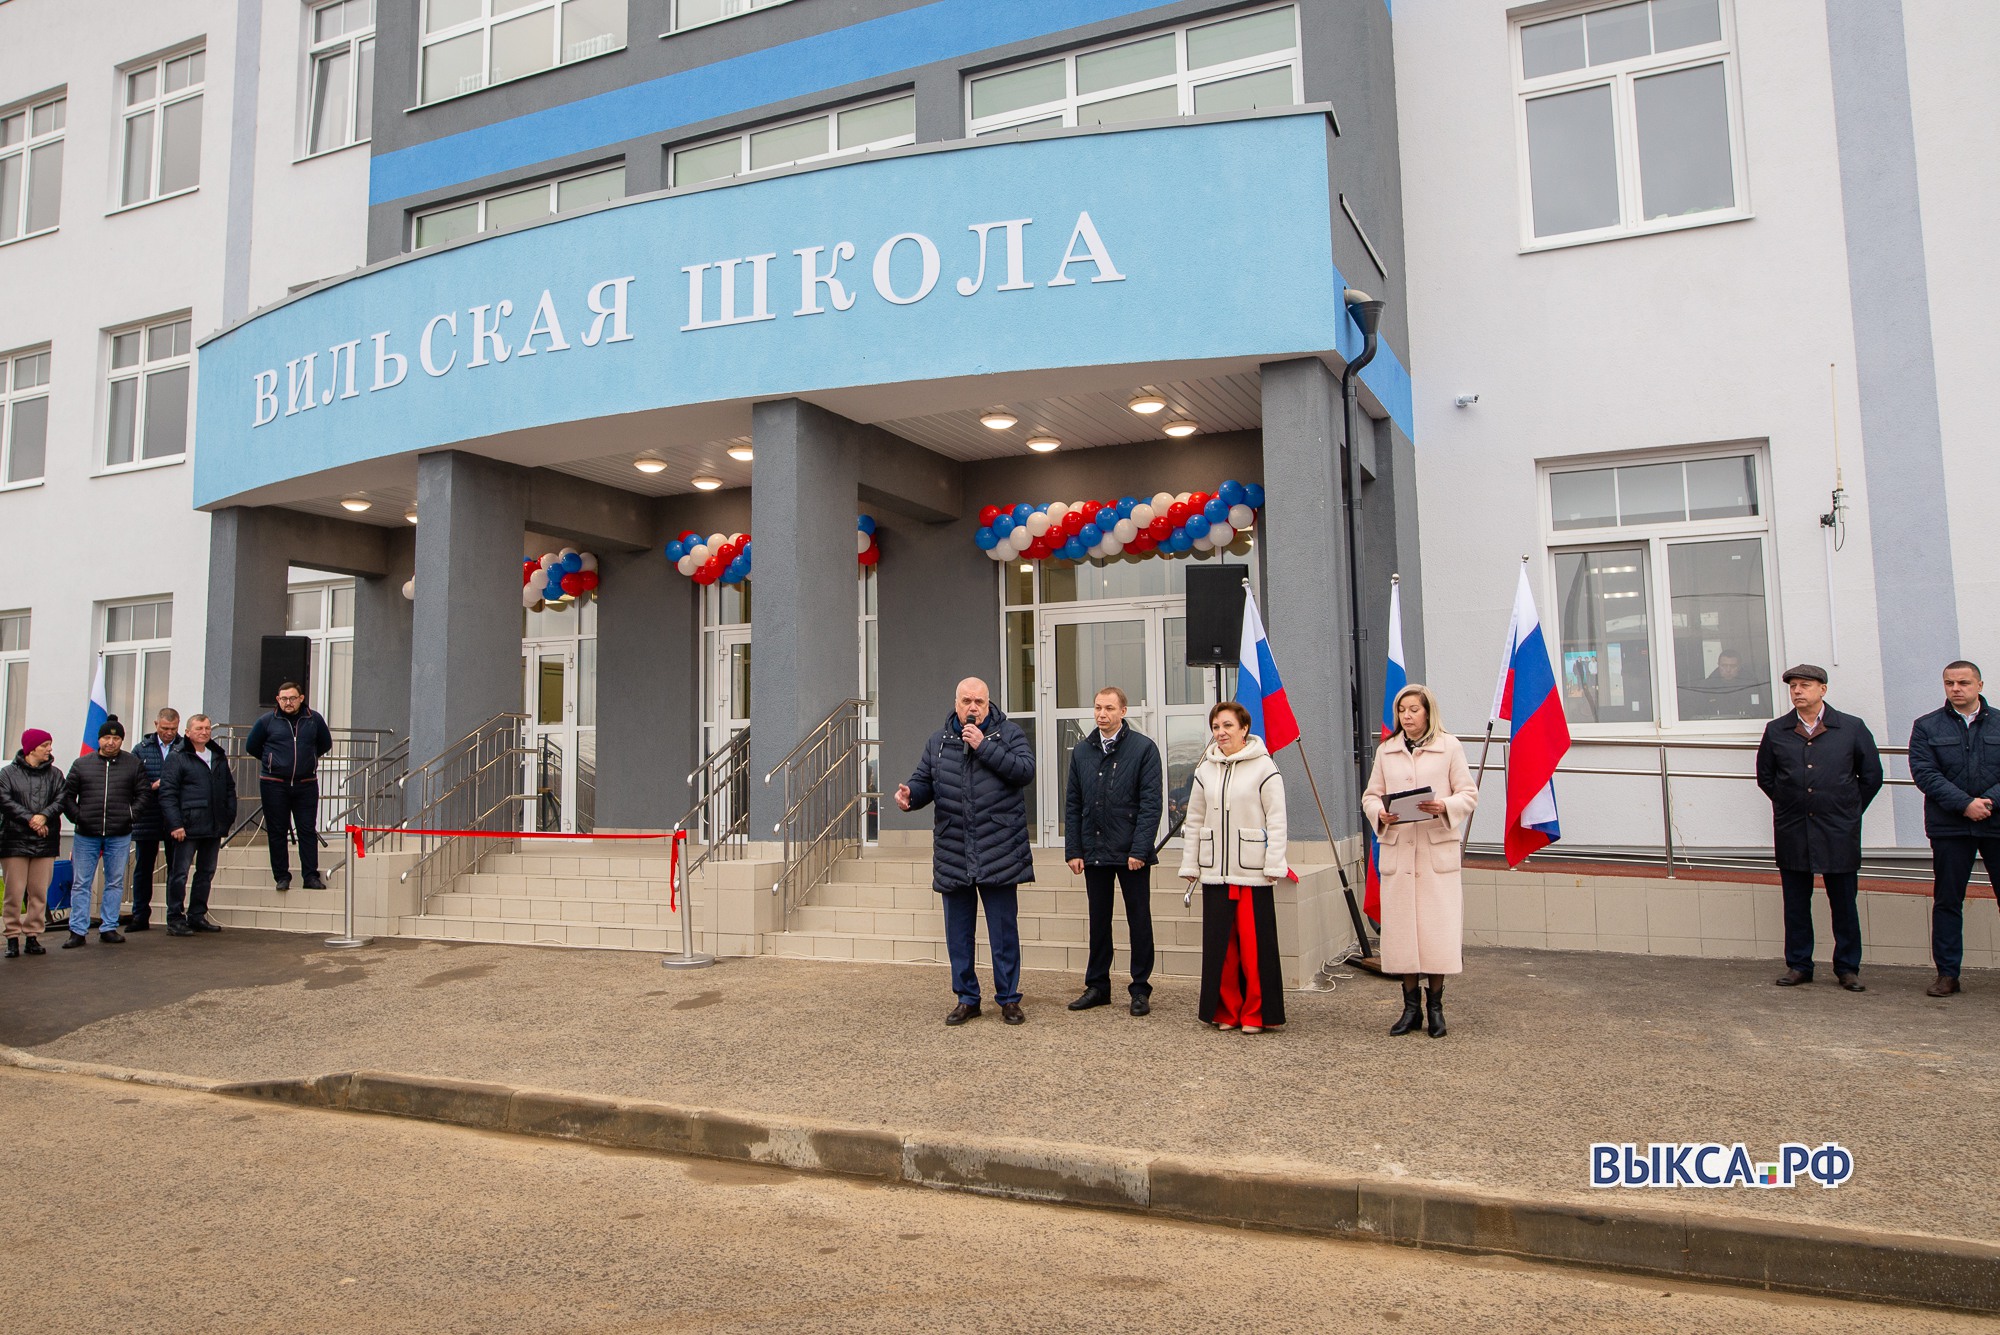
(1852, 982)
(1011, 1012)
(314, 881)
(1090, 1000)
(111, 936)
(282, 882)
(139, 925)
(1142, 1006)
(1413, 1012)
(204, 923)
(1794, 977)
(962, 1012)
(179, 927)
(76, 939)
(13, 947)
(1434, 1003)
(35, 946)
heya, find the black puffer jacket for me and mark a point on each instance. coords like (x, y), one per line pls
(1112, 809)
(197, 796)
(1953, 764)
(980, 833)
(27, 791)
(104, 795)
(288, 746)
(154, 757)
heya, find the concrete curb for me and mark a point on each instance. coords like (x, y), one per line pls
(1950, 1273)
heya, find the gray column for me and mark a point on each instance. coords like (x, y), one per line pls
(247, 568)
(466, 640)
(1389, 547)
(805, 651)
(1305, 587)
(648, 636)
(382, 631)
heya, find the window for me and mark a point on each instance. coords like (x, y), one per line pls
(1233, 64)
(324, 614)
(31, 163)
(1662, 595)
(162, 154)
(694, 13)
(147, 411)
(519, 205)
(340, 86)
(138, 655)
(471, 44)
(14, 674)
(24, 416)
(856, 129)
(1628, 121)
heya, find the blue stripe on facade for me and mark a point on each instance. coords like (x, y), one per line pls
(944, 30)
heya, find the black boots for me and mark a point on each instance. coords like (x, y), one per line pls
(35, 946)
(1435, 1004)
(1413, 1011)
(13, 947)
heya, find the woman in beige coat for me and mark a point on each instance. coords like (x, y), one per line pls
(1423, 903)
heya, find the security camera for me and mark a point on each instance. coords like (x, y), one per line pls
(1465, 400)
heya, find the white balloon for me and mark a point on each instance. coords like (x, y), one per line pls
(687, 564)
(860, 542)
(717, 539)
(529, 597)
(738, 537)
(1001, 551)
(1241, 517)
(699, 552)
(1058, 511)
(548, 559)
(589, 561)
(1112, 545)
(1221, 535)
(1182, 498)
(1020, 539)
(1163, 500)
(1142, 514)
(1203, 544)
(1037, 525)
(410, 588)
(567, 551)
(1124, 530)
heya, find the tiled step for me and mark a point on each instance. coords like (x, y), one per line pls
(275, 919)
(1050, 896)
(599, 862)
(555, 909)
(1064, 929)
(1170, 961)
(447, 927)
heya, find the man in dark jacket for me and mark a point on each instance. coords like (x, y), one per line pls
(1111, 815)
(1955, 759)
(198, 802)
(1820, 769)
(147, 832)
(975, 768)
(288, 743)
(107, 790)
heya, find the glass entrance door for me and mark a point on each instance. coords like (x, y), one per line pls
(552, 735)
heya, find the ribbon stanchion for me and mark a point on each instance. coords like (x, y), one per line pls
(689, 958)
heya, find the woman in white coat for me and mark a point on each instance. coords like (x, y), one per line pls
(1233, 842)
(1423, 901)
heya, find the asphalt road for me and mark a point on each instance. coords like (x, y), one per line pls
(154, 1210)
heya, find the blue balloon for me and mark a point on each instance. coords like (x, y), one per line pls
(1075, 550)
(676, 550)
(866, 524)
(1231, 493)
(1125, 506)
(1003, 526)
(1022, 511)
(1253, 495)
(1216, 511)
(1090, 535)
(986, 539)
(1197, 526)
(1042, 509)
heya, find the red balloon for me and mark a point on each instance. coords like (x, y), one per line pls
(1160, 529)
(589, 578)
(1036, 550)
(572, 584)
(987, 515)
(1198, 499)
(1072, 523)
(1177, 513)
(872, 555)
(1090, 509)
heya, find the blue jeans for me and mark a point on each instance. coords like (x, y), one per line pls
(1003, 934)
(86, 850)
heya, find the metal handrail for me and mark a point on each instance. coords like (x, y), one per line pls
(826, 797)
(819, 730)
(354, 749)
(475, 784)
(720, 816)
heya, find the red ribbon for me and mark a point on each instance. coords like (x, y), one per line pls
(354, 832)
(674, 872)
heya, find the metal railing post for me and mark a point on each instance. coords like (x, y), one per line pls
(1667, 812)
(347, 940)
(689, 958)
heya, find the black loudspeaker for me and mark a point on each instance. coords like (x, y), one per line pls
(1214, 613)
(285, 658)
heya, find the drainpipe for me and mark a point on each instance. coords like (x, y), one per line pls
(1366, 312)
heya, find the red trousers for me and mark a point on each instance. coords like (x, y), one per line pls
(1242, 999)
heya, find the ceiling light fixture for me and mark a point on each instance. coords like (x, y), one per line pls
(1147, 403)
(1181, 428)
(411, 514)
(1043, 444)
(356, 504)
(742, 453)
(650, 463)
(704, 482)
(997, 421)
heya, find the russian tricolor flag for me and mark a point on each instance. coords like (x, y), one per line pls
(1394, 679)
(1258, 687)
(94, 716)
(1539, 734)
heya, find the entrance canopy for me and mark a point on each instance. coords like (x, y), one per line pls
(908, 285)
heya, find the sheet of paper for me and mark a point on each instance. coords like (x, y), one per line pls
(1403, 805)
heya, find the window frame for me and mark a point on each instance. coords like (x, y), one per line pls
(485, 24)
(831, 115)
(141, 372)
(675, 26)
(1183, 79)
(13, 712)
(11, 395)
(157, 106)
(141, 651)
(1657, 539)
(553, 184)
(1622, 76)
(319, 52)
(26, 149)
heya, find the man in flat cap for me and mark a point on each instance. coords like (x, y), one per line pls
(1820, 769)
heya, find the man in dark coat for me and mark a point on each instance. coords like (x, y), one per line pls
(198, 802)
(148, 832)
(1111, 815)
(1955, 759)
(975, 768)
(1820, 769)
(288, 743)
(106, 793)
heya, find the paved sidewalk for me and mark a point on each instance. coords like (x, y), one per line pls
(1548, 1052)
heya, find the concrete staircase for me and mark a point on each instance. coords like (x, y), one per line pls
(242, 894)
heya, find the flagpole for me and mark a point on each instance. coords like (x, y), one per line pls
(1465, 840)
